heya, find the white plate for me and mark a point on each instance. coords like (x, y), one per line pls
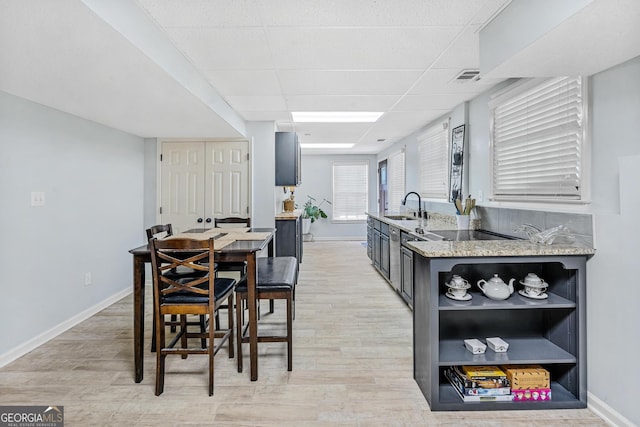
(466, 297)
(525, 294)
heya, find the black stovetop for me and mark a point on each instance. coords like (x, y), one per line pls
(464, 235)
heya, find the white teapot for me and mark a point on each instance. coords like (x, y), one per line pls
(495, 288)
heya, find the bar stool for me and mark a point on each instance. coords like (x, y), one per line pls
(276, 279)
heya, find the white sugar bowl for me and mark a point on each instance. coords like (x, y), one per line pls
(533, 281)
(458, 282)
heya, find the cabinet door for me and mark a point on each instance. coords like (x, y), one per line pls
(376, 248)
(288, 159)
(370, 242)
(406, 279)
(289, 238)
(384, 255)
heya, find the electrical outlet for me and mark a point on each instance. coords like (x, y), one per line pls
(480, 196)
(87, 279)
(37, 198)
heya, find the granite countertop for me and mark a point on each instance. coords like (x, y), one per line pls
(435, 221)
(475, 248)
(289, 215)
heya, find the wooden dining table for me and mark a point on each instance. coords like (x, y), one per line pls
(236, 251)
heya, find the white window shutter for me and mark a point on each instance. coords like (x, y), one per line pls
(538, 142)
(350, 191)
(434, 162)
(395, 180)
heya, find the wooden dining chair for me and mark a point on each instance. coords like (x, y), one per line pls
(238, 269)
(161, 231)
(231, 222)
(188, 295)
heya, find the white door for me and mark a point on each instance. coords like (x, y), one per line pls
(203, 180)
(227, 179)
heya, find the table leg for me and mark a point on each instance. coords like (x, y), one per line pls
(253, 315)
(138, 315)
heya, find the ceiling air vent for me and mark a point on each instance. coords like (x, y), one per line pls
(468, 75)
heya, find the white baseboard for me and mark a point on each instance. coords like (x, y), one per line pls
(606, 412)
(37, 341)
(339, 238)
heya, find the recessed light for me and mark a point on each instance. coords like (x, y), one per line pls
(320, 145)
(335, 116)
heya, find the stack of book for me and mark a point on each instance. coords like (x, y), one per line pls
(479, 383)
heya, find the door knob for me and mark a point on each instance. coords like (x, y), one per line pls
(208, 220)
(199, 220)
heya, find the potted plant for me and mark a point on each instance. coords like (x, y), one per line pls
(312, 212)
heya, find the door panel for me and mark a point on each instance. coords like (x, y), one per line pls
(229, 183)
(182, 182)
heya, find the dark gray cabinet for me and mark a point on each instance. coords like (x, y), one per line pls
(378, 239)
(406, 275)
(288, 159)
(549, 332)
(289, 238)
(370, 238)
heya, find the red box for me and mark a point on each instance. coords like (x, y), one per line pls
(532, 395)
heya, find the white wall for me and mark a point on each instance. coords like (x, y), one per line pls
(92, 177)
(613, 294)
(317, 181)
(264, 204)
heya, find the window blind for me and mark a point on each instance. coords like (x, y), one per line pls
(434, 161)
(395, 180)
(538, 141)
(350, 191)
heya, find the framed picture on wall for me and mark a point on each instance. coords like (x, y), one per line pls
(457, 162)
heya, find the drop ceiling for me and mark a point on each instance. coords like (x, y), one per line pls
(201, 68)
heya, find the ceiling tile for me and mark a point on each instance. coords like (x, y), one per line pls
(228, 48)
(402, 13)
(358, 48)
(203, 13)
(347, 82)
(244, 82)
(396, 125)
(257, 103)
(442, 102)
(463, 53)
(267, 116)
(334, 131)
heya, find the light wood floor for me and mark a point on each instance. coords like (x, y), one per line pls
(352, 366)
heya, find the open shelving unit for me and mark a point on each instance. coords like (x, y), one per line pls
(548, 332)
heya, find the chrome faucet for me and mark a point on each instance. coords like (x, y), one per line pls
(404, 202)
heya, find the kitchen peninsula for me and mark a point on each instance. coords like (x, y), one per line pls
(547, 331)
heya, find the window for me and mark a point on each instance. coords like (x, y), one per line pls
(538, 141)
(434, 161)
(395, 183)
(350, 191)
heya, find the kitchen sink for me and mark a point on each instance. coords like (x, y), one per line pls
(400, 217)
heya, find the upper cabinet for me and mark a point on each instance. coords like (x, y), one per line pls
(288, 159)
